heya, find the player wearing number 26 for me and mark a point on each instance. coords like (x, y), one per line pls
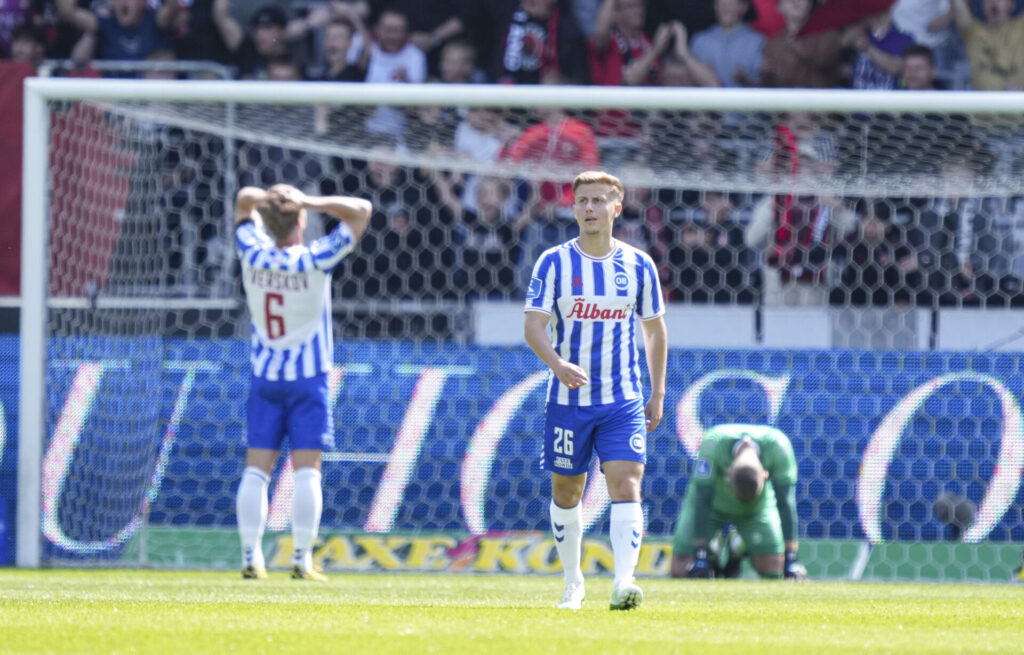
(287, 286)
(582, 307)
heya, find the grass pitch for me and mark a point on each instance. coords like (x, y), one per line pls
(64, 611)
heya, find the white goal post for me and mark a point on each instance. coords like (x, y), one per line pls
(40, 93)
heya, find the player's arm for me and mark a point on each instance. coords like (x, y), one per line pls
(246, 201)
(656, 352)
(354, 212)
(704, 496)
(785, 500)
(536, 336)
(785, 495)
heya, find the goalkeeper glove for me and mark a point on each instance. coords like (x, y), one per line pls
(701, 569)
(793, 569)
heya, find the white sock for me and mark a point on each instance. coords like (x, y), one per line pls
(626, 530)
(566, 524)
(308, 503)
(251, 512)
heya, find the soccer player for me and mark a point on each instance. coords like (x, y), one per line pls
(730, 485)
(585, 293)
(287, 286)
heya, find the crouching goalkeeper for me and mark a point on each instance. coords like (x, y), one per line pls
(745, 475)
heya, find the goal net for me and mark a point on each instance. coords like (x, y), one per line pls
(134, 361)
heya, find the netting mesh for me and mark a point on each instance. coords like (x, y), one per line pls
(148, 350)
(792, 207)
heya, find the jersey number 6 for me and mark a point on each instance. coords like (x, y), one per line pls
(563, 441)
(275, 322)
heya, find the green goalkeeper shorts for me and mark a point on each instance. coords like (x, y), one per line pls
(761, 533)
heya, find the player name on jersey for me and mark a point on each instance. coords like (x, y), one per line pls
(278, 280)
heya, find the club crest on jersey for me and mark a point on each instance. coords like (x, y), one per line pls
(536, 286)
(703, 469)
(621, 281)
(583, 310)
(638, 443)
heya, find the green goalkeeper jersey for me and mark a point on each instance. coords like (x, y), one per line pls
(716, 455)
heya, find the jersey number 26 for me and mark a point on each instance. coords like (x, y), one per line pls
(563, 441)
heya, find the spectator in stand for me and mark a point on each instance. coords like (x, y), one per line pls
(990, 248)
(411, 254)
(485, 237)
(125, 30)
(621, 54)
(797, 231)
(197, 35)
(877, 264)
(28, 44)
(432, 24)
(336, 44)
(913, 143)
(930, 23)
(557, 142)
(619, 51)
(394, 59)
(793, 61)
(433, 127)
(459, 63)
(731, 47)
(995, 45)
(542, 42)
(918, 69)
(337, 41)
(267, 39)
(480, 136)
(879, 47)
(708, 261)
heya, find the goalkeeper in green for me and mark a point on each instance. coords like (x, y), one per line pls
(746, 476)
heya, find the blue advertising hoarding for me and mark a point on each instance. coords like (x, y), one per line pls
(447, 437)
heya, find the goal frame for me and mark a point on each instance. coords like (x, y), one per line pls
(38, 92)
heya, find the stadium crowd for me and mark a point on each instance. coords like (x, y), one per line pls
(438, 234)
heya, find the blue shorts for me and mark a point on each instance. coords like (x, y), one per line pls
(296, 408)
(617, 431)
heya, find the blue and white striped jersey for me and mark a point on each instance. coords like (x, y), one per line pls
(289, 299)
(592, 303)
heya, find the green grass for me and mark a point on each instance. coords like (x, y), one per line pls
(65, 611)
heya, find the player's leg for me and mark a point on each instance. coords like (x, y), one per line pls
(621, 443)
(251, 508)
(265, 431)
(762, 534)
(310, 430)
(567, 450)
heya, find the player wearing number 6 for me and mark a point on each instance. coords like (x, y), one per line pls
(581, 307)
(287, 287)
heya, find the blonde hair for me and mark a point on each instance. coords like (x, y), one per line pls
(280, 213)
(599, 177)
